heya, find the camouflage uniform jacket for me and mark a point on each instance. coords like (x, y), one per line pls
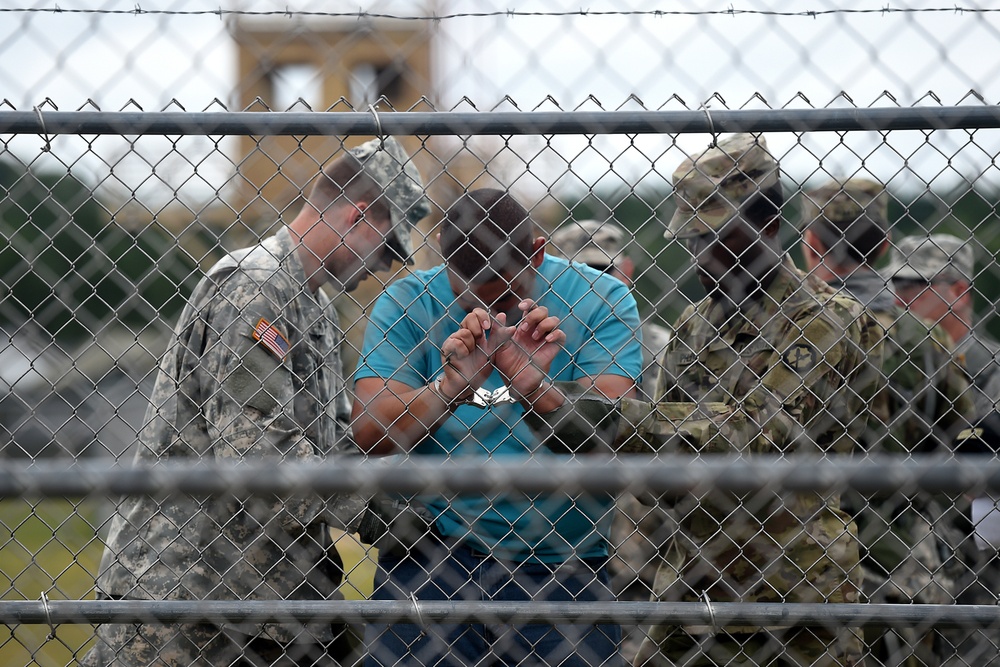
(982, 361)
(925, 404)
(793, 373)
(228, 389)
(654, 341)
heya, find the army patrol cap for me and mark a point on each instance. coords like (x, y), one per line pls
(856, 211)
(709, 189)
(391, 168)
(591, 242)
(929, 258)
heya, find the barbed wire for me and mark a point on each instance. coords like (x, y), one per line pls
(138, 10)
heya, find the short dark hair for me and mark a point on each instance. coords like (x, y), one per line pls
(345, 179)
(485, 234)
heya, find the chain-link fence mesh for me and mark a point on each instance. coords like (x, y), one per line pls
(141, 146)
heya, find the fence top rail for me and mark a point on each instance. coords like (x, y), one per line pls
(586, 613)
(353, 123)
(595, 474)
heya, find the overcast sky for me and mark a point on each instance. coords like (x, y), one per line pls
(668, 61)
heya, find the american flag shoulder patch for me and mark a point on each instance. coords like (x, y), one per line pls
(271, 338)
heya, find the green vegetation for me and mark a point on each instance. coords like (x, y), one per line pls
(52, 546)
(65, 265)
(48, 546)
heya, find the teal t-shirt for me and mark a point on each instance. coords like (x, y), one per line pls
(408, 325)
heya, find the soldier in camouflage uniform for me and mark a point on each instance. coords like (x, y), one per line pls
(771, 362)
(933, 275)
(253, 373)
(639, 529)
(908, 544)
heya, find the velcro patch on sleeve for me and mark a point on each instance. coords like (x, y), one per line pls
(271, 338)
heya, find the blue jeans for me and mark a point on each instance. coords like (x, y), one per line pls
(458, 573)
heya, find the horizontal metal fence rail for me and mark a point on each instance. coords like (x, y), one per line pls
(497, 123)
(57, 612)
(673, 474)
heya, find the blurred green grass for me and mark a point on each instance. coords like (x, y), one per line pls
(48, 546)
(52, 546)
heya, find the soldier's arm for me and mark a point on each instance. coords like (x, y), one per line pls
(587, 422)
(811, 395)
(250, 400)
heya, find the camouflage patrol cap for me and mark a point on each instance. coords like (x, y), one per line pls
(710, 188)
(856, 212)
(391, 168)
(933, 257)
(591, 242)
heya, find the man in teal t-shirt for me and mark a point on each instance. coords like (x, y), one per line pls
(410, 401)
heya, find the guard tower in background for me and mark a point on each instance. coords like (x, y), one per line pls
(330, 65)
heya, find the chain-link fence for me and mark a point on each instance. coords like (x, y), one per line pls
(142, 145)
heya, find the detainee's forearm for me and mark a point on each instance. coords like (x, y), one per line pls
(391, 417)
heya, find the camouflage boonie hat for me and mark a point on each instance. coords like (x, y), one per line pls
(710, 188)
(397, 175)
(591, 242)
(856, 212)
(843, 204)
(934, 257)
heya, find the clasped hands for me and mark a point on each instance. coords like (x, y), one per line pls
(522, 353)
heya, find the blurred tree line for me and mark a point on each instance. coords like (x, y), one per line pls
(68, 268)
(665, 283)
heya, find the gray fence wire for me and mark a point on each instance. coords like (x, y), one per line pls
(892, 477)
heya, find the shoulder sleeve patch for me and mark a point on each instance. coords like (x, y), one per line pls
(271, 338)
(801, 358)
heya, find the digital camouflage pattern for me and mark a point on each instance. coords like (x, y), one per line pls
(799, 366)
(389, 165)
(223, 395)
(596, 243)
(710, 188)
(791, 374)
(858, 203)
(932, 257)
(981, 353)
